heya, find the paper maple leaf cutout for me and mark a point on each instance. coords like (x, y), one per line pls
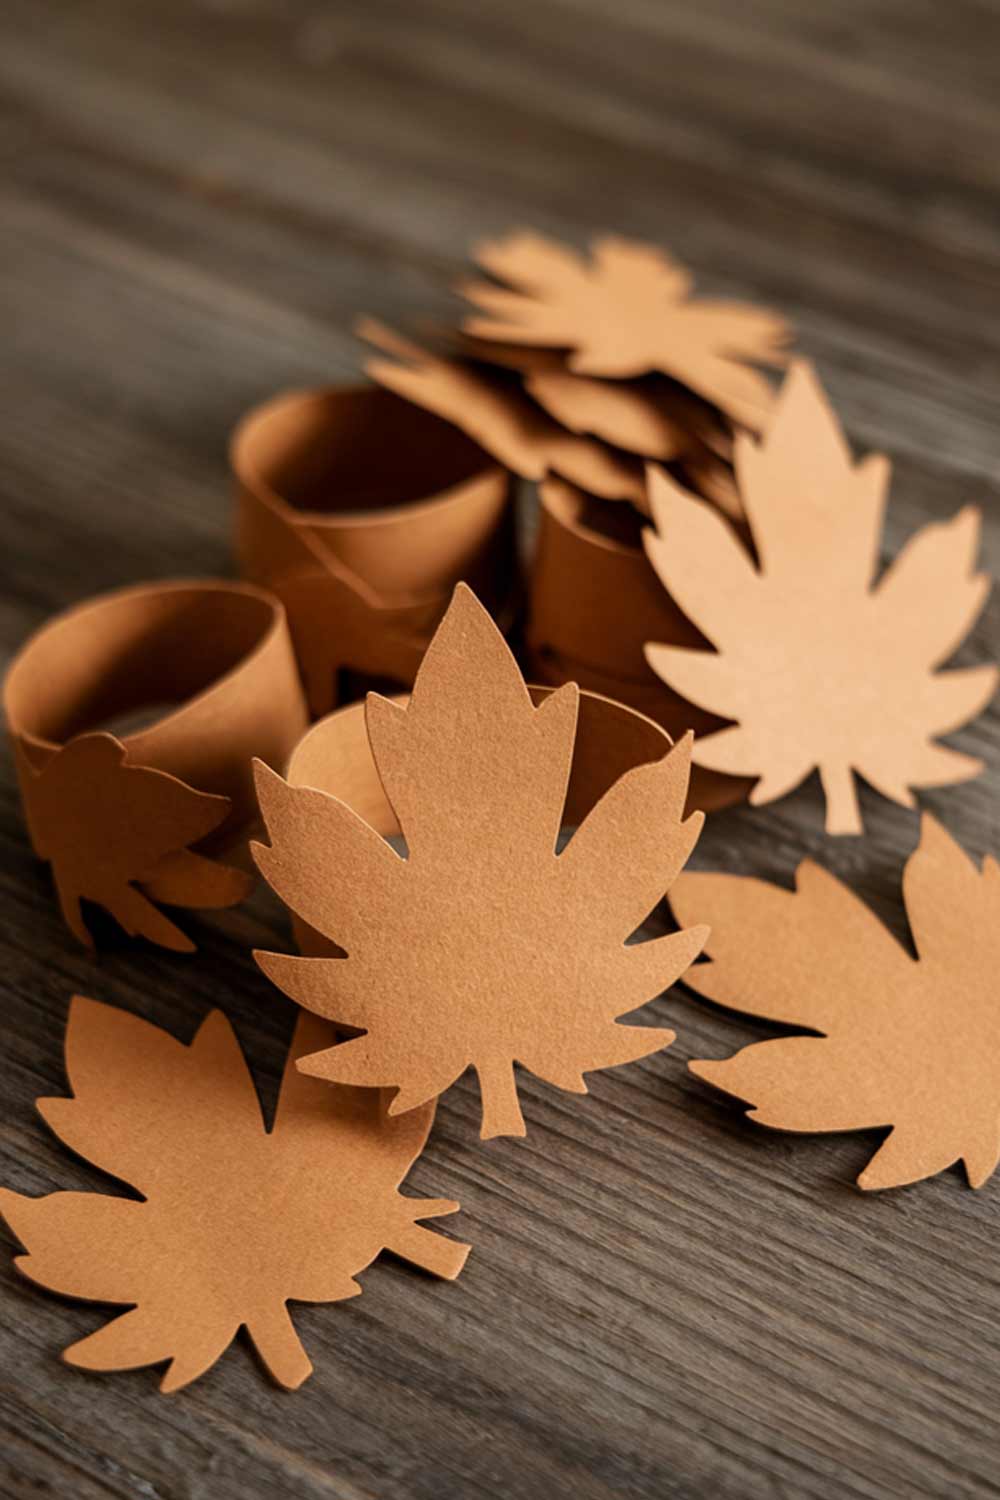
(483, 947)
(821, 668)
(911, 1043)
(108, 828)
(234, 1221)
(626, 311)
(497, 414)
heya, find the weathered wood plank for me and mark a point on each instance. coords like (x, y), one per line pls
(195, 201)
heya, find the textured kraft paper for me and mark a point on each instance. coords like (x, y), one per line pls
(627, 310)
(234, 1221)
(115, 816)
(594, 603)
(821, 666)
(361, 512)
(494, 409)
(482, 947)
(909, 1043)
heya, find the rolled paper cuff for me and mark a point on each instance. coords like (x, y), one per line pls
(594, 597)
(710, 791)
(335, 757)
(595, 602)
(209, 669)
(362, 511)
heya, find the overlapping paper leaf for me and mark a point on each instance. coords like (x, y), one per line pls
(482, 947)
(234, 1221)
(495, 411)
(626, 311)
(118, 835)
(820, 667)
(912, 1043)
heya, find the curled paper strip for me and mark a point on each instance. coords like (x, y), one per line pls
(594, 604)
(361, 511)
(235, 1220)
(116, 816)
(483, 946)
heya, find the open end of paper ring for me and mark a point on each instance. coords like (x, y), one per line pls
(160, 644)
(350, 450)
(335, 757)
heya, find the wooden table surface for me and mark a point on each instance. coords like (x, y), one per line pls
(196, 200)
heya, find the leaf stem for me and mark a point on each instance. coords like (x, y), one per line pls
(842, 812)
(501, 1106)
(279, 1346)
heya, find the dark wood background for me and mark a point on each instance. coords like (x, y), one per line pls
(196, 200)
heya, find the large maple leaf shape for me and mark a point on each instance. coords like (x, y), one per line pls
(118, 835)
(625, 311)
(820, 668)
(483, 946)
(234, 1221)
(912, 1043)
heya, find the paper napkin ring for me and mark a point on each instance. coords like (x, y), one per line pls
(361, 511)
(335, 757)
(115, 810)
(594, 601)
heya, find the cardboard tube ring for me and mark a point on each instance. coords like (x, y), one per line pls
(207, 668)
(362, 511)
(594, 603)
(335, 757)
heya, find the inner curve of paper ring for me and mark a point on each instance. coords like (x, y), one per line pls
(335, 757)
(325, 453)
(149, 646)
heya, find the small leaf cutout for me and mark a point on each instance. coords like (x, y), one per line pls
(117, 834)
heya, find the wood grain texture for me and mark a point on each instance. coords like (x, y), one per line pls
(195, 201)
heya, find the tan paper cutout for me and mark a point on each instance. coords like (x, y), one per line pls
(621, 412)
(483, 946)
(118, 835)
(494, 410)
(820, 668)
(627, 311)
(234, 1221)
(116, 816)
(909, 1043)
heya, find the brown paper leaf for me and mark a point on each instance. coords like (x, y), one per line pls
(821, 668)
(494, 410)
(117, 834)
(909, 1043)
(626, 311)
(622, 412)
(234, 1221)
(483, 947)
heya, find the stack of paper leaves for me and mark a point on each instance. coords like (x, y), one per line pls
(234, 1221)
(587, 366)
